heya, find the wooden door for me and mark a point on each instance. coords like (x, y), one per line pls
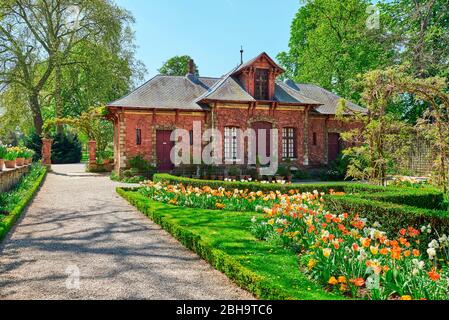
(163, 150)
(334, 146)
(259, 127)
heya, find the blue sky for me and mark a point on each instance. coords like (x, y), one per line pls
(211, 31)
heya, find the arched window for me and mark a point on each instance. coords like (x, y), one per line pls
(289, 143)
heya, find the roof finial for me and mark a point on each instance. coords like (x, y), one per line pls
(241, 55)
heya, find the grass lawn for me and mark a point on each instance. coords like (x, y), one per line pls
(224, 239)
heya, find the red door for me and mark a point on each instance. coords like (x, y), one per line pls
(259, 127)
(163, 150)
(334, 147)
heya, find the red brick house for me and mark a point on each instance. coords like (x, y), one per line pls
(249, 96)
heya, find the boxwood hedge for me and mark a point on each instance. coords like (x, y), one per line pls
(27, 188)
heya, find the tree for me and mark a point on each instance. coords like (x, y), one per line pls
(177, 66)
(37, 38)
(382, 140)
(91, 123)
(420, 29)
(330, 44)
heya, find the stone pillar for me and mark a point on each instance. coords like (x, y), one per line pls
(306, 136)
(92, 152)
(46, 151)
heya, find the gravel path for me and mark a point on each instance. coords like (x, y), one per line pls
(78, 223)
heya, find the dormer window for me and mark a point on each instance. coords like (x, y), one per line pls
(261, 85)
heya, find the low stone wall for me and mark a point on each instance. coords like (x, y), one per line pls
(10, 177)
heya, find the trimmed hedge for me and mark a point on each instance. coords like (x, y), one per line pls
(347, 187)
(224, 240)
(7, 223)
(392, 216)
(420, 198)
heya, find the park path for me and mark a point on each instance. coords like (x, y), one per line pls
(78, 222)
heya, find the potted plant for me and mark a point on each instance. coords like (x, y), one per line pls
(234, 172)
(29, 156)
(20, 155)
(3, 152)
(10, 158)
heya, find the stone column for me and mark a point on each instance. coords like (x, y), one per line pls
(46, 152)
(92, 152)
(306, 136)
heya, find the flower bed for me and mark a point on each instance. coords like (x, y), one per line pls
(225, 241)
(208, 198)
(346, 254)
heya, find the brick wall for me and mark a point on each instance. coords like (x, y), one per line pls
(238, 115)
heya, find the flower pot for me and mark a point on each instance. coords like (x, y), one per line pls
(221, 178)
(213, 177)
(20, 162)
(10, 164)
(2, 162)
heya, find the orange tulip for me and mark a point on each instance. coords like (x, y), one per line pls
(434, 275)
(359, 282)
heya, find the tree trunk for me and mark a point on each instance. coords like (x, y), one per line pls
(37, 114)
(58, 99)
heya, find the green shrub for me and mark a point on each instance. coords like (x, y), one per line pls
(141, 167)
(302, 175)
(34, 142)
(3, 151)
(13, 202)
(392, 216)
(66, 149)
(421, 198)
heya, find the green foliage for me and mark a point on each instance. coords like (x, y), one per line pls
(392, 216)
(330, 44)
(66, 149)
(141, 167)
(301, 175)
(270, 273)
(177, 66)
(72, 68)
(234, 171)
(13, 203)
(337, 170)
(34, 142)
(3, 151)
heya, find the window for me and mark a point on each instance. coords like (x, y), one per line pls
(261, 85)
(288, 143)
(191, 137)
(231, 143)
(138, 137)
(315, 139)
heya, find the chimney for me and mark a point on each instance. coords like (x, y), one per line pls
(192, 70)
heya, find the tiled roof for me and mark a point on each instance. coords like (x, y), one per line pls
(328, 99)
(167, 92)
(189, 93)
